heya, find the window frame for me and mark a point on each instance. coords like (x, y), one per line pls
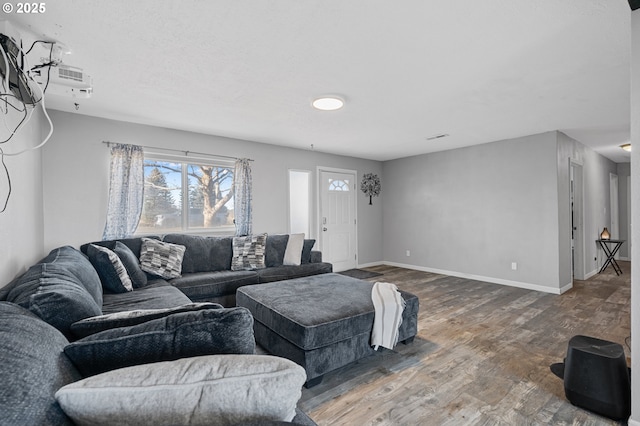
(185, 161)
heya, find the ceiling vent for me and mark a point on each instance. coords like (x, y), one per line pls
(438, 136)
(65, 75)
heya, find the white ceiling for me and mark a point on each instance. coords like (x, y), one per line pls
(480, 71)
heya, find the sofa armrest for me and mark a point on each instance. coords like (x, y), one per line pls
(316, 256)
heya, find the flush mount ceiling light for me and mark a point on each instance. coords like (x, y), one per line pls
(328, 103)
(626, 147)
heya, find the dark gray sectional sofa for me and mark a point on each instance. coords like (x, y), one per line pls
(53, 330)
(206, 266)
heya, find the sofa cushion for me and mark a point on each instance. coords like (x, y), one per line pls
(248, 252)
(62, 303)
(158, 294)
(134, 244)
(275, 248)
(61, 289)
(203, 254)
(202, 286)
(131, 264)
(100, 323)
(184, 334)
(161, 259)
(306, 250)
(33, 368)
(238, 389)
(65, 262)
(281, 273)
(112, 273)
(293, 253)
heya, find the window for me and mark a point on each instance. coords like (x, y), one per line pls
(181, 196)
(299, 198)
(338, 185)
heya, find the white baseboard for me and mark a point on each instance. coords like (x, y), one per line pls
(590, 274)
(368, 265)
(566, 288)
(632, 422)
(519, 284)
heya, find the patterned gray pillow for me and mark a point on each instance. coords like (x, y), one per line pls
(162, 259)
(248, 252)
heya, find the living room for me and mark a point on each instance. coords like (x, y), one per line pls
(469, 211)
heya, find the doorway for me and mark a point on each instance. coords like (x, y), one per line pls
(337, 218)
(577, 220)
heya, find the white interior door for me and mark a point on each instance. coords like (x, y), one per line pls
(577, 221)
(338, 219)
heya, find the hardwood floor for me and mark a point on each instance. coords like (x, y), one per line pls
(481, 357)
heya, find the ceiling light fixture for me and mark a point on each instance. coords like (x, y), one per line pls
(626, 147)
(328, 103)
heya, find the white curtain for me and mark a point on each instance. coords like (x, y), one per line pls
(242, 197)
(126, 191)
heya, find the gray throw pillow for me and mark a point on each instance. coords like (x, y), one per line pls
(112, 273)
(162, 259)
(205, 390)
(131, 264)
(275, 248)
(93, 325)
(248, 252)
(184, 334)
(33, 368)
(306, 250)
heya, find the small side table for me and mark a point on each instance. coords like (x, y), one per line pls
(610, 248)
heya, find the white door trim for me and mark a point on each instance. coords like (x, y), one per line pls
(319, 170)
(579, 253)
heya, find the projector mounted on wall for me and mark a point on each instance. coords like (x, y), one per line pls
(68, 80)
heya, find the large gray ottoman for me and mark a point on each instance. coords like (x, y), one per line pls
(321, 322)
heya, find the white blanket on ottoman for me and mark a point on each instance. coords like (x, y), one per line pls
(389, 305)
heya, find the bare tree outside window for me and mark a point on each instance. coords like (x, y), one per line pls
(184, 196)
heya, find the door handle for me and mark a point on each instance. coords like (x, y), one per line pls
(324, 229)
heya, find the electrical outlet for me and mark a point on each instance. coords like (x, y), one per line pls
(408, 253)
(514, 266)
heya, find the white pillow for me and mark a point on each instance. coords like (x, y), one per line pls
(221, 389)
(293, 252)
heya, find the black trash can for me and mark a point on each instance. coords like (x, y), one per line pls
(596, 377)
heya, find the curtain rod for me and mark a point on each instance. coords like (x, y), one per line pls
(185, 152)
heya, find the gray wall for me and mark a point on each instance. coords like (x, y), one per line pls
(473, 211)
(21, 225)
(76, 166)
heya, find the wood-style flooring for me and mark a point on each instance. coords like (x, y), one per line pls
(481, 357)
